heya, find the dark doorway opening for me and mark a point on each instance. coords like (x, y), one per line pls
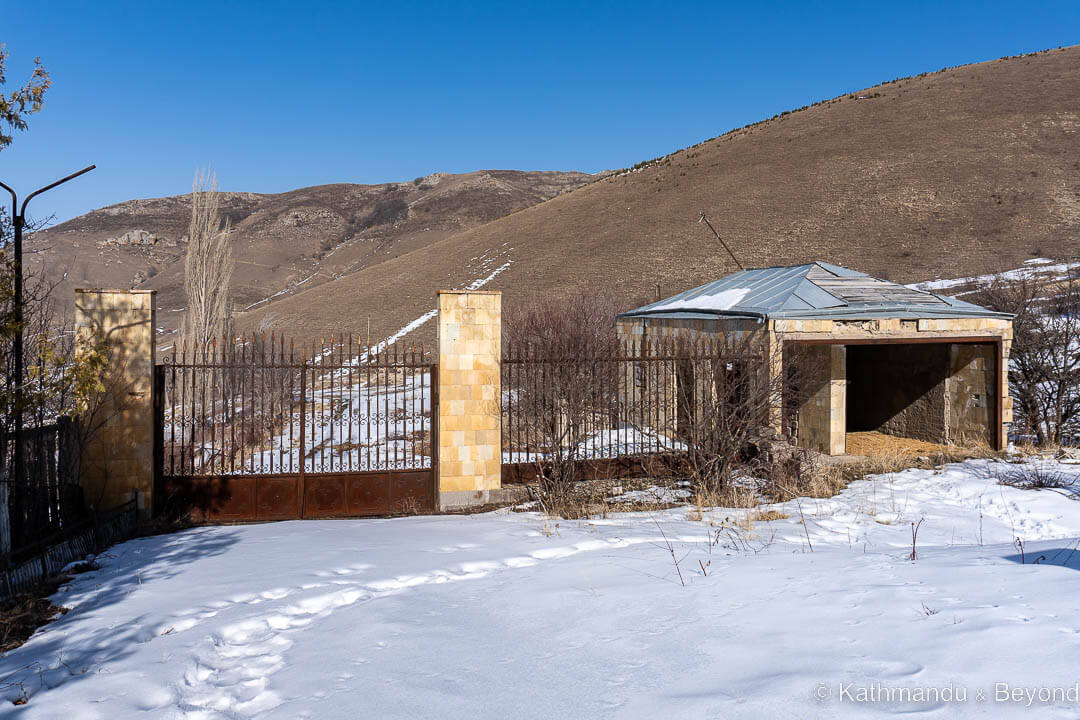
(898, 390)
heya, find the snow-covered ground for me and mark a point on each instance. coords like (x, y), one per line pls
(511, 615)
(1035, 269)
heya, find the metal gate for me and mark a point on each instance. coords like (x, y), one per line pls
(257, 429)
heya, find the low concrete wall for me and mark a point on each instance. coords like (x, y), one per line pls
(118, 457)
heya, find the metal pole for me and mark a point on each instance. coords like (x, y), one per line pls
(18, 220)
(706, 221)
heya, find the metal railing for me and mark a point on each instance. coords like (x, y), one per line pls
(263, 406)
(636, 401)
(48, 496)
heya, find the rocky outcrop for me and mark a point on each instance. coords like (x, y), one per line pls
(142, 238)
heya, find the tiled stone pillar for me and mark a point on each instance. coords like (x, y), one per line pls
(823, 416)
(118, 458)
(470, 418)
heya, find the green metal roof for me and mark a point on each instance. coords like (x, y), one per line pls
(815, 290)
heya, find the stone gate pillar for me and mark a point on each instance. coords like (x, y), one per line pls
(118, 454)
(469, 412)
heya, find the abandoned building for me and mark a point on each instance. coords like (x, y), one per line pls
(886, 357)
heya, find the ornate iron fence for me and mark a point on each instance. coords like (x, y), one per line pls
(272, 430)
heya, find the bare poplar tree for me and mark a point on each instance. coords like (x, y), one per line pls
(207, 268)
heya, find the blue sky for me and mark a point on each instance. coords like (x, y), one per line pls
(279, 95)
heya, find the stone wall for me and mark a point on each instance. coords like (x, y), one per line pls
(969, 394)
(118, 456)
(470, 417)
(821, 413)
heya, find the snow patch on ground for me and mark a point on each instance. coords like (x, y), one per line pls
(651, 495)
(1036, 268)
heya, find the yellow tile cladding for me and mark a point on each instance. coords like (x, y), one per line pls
(470, 451)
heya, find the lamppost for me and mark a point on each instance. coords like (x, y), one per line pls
(18, 221)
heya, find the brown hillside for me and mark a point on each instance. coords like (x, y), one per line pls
(287, 241)
(957, 172)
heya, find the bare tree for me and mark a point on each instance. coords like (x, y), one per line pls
(1044, 359)
(207, 268)
(725, 393)
(581, 324)
(563, 383)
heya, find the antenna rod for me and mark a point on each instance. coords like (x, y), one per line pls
(706, 221)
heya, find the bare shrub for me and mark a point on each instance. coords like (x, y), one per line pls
(728, 391)
(567, 350)
(1032, 476)
(804, 473)
(1044, 365)
(582, 325)
(708, 401)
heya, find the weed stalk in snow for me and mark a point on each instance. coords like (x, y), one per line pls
(670, 549)
(914, 538)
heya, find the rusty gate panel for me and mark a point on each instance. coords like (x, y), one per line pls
(324, 496)
(277, 497)
(410, 491)
(255, 430)
(369, 494)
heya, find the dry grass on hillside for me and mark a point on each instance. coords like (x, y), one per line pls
(954, 173)
(957, 172)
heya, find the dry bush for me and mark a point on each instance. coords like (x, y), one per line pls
(805, 474)
(727, 395)
(1032, 476)
(734, 495)
(723, 397)
(1029, 448)
(570, 377)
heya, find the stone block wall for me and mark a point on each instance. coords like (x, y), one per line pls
(118, 456)
(969, 394)
(470, 414)
(822, 417)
